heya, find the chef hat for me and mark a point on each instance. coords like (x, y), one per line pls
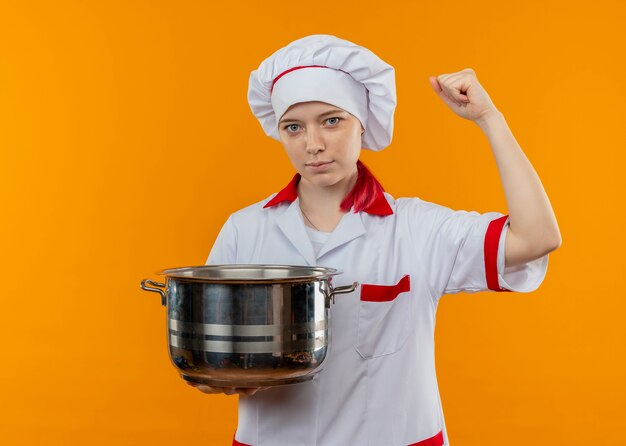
(325, 68)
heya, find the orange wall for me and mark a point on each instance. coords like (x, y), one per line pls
(126, 140)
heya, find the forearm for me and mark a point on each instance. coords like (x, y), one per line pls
(532, 220)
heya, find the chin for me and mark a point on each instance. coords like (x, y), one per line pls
(324, 180)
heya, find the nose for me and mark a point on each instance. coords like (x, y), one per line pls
(314, 142)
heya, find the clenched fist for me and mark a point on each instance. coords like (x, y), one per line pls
(462, 92)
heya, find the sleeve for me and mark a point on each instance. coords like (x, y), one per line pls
(522, 278)
(224, 250)
(467, 251)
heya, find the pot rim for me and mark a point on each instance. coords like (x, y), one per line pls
(260, 273)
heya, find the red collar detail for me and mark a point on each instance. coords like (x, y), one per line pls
(380, 206)
(289, 193)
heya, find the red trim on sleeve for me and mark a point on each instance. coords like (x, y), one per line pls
(385, 293)
(492, 240)
(437, 440)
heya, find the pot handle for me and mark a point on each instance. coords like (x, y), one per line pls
(154, 290)
(342, 290)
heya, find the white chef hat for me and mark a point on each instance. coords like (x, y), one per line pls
(325, 68)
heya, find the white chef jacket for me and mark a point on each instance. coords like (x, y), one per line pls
(377, 385)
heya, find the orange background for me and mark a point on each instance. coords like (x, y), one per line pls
(126, 141)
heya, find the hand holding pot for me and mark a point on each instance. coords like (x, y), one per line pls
(246, 391)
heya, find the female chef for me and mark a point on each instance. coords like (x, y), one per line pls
(325, 99)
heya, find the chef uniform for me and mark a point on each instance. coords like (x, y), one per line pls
(377, 386)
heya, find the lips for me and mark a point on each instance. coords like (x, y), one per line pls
(318, 163)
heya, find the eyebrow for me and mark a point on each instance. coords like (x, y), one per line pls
(330, 112)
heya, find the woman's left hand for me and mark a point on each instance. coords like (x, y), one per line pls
(462, 92)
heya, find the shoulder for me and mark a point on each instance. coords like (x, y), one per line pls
(417, 215)
(410, 206)
(254, 211)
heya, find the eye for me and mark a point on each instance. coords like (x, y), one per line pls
(289, 126)
(335, 122)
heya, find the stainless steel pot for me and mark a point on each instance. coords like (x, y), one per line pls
(247, 325)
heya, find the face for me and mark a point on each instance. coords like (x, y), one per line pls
(322, 141)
